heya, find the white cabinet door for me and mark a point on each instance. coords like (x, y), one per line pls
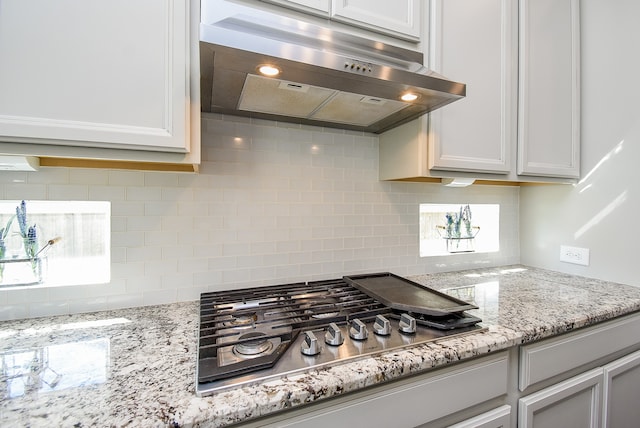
(549, 110)
(496, 418)
(474, 41)
(316, 7)
(398, 18)
(574, 403)
(621, 392)
(109, 74)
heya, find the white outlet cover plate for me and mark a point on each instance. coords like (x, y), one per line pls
(575, 255)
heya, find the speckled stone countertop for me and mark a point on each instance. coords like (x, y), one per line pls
(136, 367)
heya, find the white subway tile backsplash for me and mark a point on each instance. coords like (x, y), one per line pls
(210, 279)
(161, 238)
(118, 254)
(92, 176)
(191, 293)
(236, 276)
(140, 284)
(163, 267)
(10, 312)
(127, 239)
(126, 178)
(68, 192)
(21, 191)
(116, 286)
(126, 270)
(272, 203)
(143, 193)
(17, 297)
(67, 293)
(49, 176)
(127, 209)
(144, 223)
(101, 192)
(159, 179)
(47, 309)
(236, 249)
(176, 195)
(143, 254)
(128, 300)
(192, 264)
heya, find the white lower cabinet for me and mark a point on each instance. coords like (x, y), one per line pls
(621, 392)
(588, 378)
(574, 403)
(552, 357)
(496, 418)
(411, 402)
(606, 396)
(604, 388)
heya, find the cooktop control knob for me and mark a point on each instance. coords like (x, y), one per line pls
(333, 336)
(382, 326)
(407, 324)
(358, 330)
(310, 344)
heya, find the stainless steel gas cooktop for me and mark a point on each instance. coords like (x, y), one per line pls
(265, 332)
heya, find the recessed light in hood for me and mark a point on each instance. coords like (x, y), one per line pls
(268, 70)
(326, 78)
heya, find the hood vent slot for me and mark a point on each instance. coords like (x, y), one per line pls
(293, 87)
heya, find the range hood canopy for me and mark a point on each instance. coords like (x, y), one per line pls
(326, 78)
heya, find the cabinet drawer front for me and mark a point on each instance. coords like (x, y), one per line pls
(415, 402)
(543, 360)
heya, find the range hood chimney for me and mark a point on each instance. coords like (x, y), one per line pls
(324, 77)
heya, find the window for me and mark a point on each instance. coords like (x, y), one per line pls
(71, 244)
(449, 229)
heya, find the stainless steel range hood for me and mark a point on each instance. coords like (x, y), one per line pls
(327, 78)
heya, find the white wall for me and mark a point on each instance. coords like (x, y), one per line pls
(601, 213)
(271, 204)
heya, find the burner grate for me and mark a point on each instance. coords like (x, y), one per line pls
(231, 320)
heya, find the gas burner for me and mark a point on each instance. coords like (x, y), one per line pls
(241, 320)
(318, 306)
(323, 315)
(260, 345)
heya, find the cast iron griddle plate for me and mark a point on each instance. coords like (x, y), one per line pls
(405, 295)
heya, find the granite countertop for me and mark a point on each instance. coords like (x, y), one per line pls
(136, 367)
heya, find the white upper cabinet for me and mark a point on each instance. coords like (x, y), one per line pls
(549, 111)
(398, 18)
(520, 119)
(316, 7)
(401, 19)
(104, 74)
(474, 41)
